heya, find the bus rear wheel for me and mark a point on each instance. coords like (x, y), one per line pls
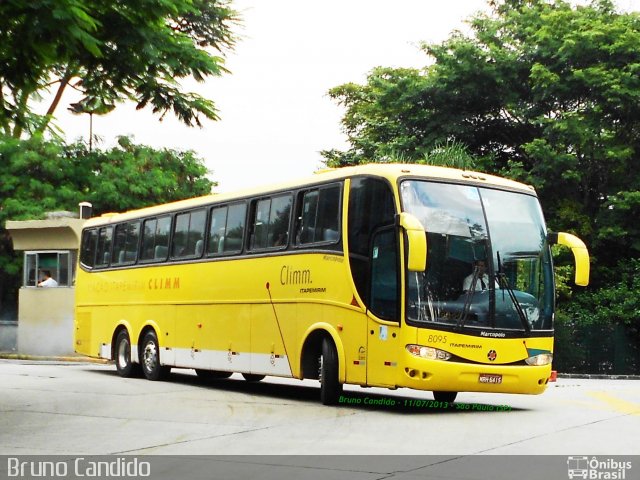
(330, 386)
(252, 377)
(448, 397)
(150, 358)
(122, 356)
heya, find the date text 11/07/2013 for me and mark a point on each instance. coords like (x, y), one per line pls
(408, 403)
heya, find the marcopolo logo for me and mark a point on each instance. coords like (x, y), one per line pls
(597, 468)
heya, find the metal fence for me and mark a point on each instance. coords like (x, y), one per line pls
(611, 349)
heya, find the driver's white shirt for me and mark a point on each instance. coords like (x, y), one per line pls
(480, 279)
(49, 282)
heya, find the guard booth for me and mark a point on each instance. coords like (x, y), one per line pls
(46, 313)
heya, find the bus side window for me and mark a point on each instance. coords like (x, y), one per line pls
(234, 231)
(308, 217)
(271, 222)
(384, 275)
(119, 240)
(188, 231)
(217, 230)
(148, 239)
(319, 218)
(103, 254)
(125, 243)
(163, 230)
(261, 224)
(226, 231)
(180, 235)
(279, 220)
(371, 206)
(133, 237)
(196, 232)
(88, 249)
(155, 239)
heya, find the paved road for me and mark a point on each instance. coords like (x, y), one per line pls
(86, 409)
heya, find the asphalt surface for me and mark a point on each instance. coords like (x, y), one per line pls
(66, 407)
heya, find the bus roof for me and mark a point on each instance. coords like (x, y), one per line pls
(390, 171)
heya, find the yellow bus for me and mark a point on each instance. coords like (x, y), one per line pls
(388, 275)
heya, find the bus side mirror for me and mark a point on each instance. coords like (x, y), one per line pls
(580, 254)
(416, 241)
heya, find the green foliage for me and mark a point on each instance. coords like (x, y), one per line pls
(618, 226)
(111, 52)
(43, 176)
(378, 117)
(133, 176)
(563, 273)
(617, 302)
(543, 91)
(599, 331)
(452, 154)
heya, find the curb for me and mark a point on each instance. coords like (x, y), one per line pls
(82, 359)
(52, 358)
(598, 376)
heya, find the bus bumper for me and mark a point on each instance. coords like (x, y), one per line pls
(437, 375)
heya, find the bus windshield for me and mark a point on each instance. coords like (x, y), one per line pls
(488, 262)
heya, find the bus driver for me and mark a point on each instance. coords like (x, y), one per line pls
(480, 275)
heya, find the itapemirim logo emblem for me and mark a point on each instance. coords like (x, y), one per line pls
(596, 468)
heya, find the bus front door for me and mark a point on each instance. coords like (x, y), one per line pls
(384, 310)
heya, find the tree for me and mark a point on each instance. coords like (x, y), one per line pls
(599, 329)
(44, 176)
(133, 176)
(110, 51)
(541, 91)
(384, 118)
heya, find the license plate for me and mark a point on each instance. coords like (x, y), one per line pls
(490, 378)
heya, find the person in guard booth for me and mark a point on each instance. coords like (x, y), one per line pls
(48, 281)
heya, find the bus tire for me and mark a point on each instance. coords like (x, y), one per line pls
(150, 358)
(122, 356)
(448, 397)
(212, 374)
(330, 386)
(253, 377)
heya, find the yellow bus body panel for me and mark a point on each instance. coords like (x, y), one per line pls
(253, 313)
(276, 301)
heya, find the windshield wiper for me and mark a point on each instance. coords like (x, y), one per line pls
(467, 300)
(504, 285)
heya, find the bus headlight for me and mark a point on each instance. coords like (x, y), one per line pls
(540, 360)
(428, 352)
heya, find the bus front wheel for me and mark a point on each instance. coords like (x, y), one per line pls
(212, 374)
(252, 377)
(124, 365)
(150, 358)
(330, 386)
(448, 397)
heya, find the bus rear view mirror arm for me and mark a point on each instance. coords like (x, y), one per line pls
(580, 254)
(416, 241)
